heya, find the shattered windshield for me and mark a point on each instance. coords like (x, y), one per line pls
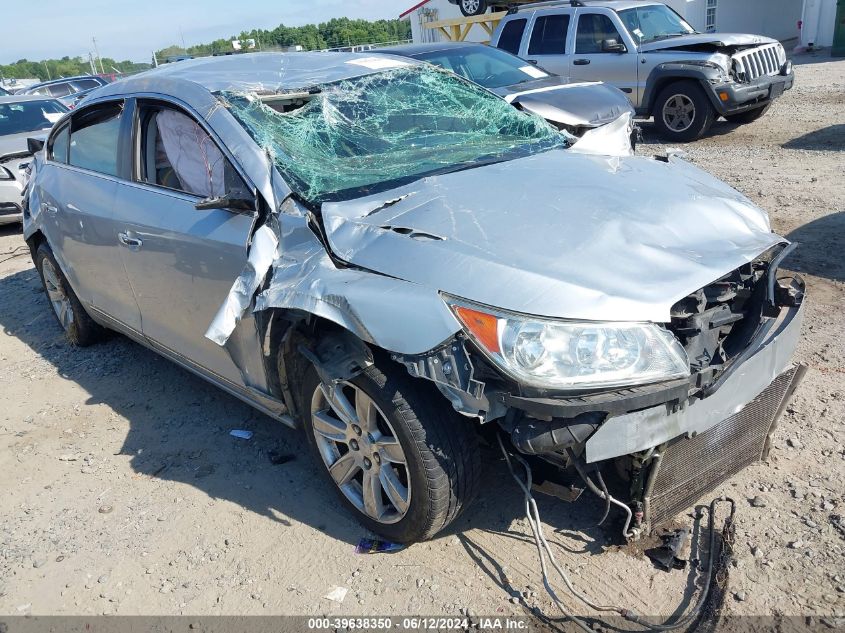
(368, 134)
(654, 22)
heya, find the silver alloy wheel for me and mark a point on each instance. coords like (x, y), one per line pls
(361, 451)
(470, 6)
(678, 113)
(58, 298)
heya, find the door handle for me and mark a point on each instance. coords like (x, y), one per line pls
(132, 243)
(533, 61)
(581, 62)
(49, 208)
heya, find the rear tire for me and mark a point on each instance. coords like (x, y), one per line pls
(749, 116)
(401, 432)
(79, 328)
(682, 112)
(472, 7)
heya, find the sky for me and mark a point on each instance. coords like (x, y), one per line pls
(132, 30)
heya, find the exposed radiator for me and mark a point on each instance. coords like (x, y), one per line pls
(691, 467)
(763, 60)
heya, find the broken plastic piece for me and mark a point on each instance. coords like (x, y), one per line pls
(244, 435)
(336, 594)
(667, 556)
(375, 546)
(613, 139)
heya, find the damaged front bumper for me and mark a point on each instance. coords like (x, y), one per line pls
(735, 98)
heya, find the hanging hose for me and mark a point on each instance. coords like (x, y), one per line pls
(607, 498)
(543, 550)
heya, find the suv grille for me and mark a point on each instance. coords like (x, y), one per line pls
(756, 62)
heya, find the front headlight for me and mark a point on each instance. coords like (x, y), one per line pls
(557, 354)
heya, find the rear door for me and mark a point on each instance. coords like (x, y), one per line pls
(77, 189)
(592, 61)
(548, 43)
(181, 261)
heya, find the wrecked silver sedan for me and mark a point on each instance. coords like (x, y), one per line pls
(398, 261)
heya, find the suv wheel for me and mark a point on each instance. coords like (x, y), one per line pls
(80, 329)
(748, 116)
(472, 7)
(397, 455)
(682, 112)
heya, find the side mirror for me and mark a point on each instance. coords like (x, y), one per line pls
(612, 46)
(34, 145)
(235, 201)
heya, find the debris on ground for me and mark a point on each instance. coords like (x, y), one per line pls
(375, 546)
(240, 433)
(336, 594)
(668, 555)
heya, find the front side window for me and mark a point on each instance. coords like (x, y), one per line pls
(372, 133)
(593, 30)
(18, 117)
(60, 90)
(511, 36)
(485, 66)
(654, 22)
(549, 35)
(177, 153)
(94, 137)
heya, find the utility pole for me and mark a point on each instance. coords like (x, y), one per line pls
(49, 78)
(155, 60)
(91, 63)
(96, 50)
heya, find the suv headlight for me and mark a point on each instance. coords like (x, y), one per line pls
(559, 354)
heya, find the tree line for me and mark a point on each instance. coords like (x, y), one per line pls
(337, 32)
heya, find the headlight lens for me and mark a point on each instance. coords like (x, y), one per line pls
(573, 354)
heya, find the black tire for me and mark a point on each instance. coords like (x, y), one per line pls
(79, 328)
(689, 126)
(472, 7)
(442, 455)
(749, 116)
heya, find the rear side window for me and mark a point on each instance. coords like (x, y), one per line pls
(94, 137)
(549, 35)
(58, 150)
(511, 36)
(86, 84)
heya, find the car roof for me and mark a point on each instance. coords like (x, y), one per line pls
(62, 80)
(430, 47)
(251, 72)
(19, 98)
(616, 5)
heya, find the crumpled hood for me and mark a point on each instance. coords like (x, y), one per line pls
(582, 104)
(557, 234)
(698, 39)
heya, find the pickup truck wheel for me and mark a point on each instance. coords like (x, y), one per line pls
(682, 112)
(80, 329)
(472, 7)
(748, 116)
(395, 452)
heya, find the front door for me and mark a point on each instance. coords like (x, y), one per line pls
(592, 59)
(181, 261)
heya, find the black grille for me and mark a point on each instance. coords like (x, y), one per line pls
(692, 467)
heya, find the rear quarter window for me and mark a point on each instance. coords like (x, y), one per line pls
(511, 36)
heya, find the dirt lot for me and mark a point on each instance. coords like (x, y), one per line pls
(123, 491)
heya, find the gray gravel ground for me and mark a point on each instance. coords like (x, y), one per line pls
(123, 492)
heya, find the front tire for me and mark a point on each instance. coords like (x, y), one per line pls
(79, 328)
(397, 455)
(472, 7)
(749, 116)
(683, 112)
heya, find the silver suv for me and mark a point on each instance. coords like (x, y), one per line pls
(683, 78)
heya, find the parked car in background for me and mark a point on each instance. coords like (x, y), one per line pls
(3, 92)
(682, 78)
(574, 107)
(21, 117)
(394, 259)
(68, 90)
